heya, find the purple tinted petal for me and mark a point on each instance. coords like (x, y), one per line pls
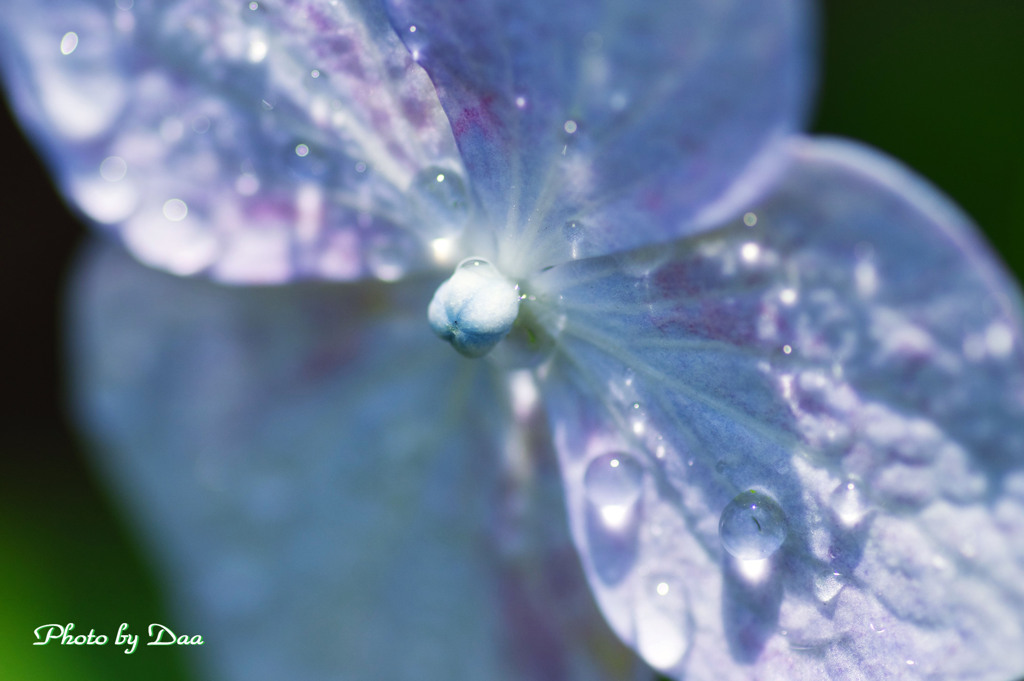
(256, 142)
(333, 493)
(849, 348)
(637, 121)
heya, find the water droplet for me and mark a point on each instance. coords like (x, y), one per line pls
(301, 150)
(662, 625)
(520, 102)
(828, 586)
(752, 526)
(848, 503)
(570, 126)
(613, 480)
(69, 42)
(254, 5)
(113, 169)
(788, 349)
(749, 219)
(440, 201)
(175, 210)
(750, 252)
(572, 230)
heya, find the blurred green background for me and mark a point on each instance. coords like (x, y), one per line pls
(936, 83)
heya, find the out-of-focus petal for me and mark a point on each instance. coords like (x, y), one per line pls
(850, 349)
(591, 128)
(329, 493)
(254, 141)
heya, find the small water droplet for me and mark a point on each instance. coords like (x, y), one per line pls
(749, 219)
(440, 201)
(572, 230)
(113, 169)
(301, 150)
(613, 480)
(787, 349)
(175, 210)
(412, 29)
(848, 503)
(68, 43)
(520, 102)
(828, 586)
(570, 126)
(752, 526)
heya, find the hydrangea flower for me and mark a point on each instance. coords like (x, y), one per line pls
(782, 377)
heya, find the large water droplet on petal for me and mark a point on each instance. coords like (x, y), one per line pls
(613, 479)
(752, 526)
(440, 201)
(662, 624)
(612, 484)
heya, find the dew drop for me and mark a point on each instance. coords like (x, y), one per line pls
(113, 169)
(752, 526)
(440, 201)
(848, 503)
(570, 126)
(68, 43)
(572, 230)
(662, 625)
(613, 480)
(175, 210)
(828, 586)
(750, 219)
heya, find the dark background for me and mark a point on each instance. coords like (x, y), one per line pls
(936, 83)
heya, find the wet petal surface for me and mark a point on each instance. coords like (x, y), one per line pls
(851, 351)
(328, 493)
(257, 142)
(588, 129)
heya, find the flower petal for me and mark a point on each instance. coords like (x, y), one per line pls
(589, 129)
(256, 142)
(330, 496)
(851, 350)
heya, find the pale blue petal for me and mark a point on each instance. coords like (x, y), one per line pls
(852, 349)
(590, 128)
(333, 494)
(252, 141)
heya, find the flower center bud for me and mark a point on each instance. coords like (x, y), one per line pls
(475, 308)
